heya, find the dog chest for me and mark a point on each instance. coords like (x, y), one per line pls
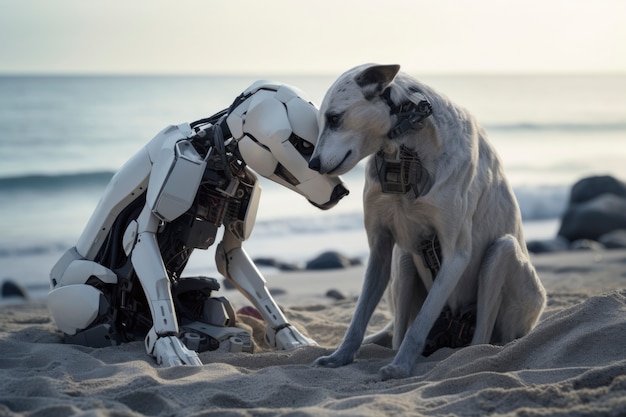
(410, 235)
(410, 221)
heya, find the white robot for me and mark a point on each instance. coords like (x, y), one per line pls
(122, 281)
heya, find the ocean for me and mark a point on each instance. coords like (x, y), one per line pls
(63, 137)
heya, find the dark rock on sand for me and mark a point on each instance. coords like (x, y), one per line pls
(335, 294)
(275, 263)
(614, 240)
(594, 218)
(13, 289)
(589, 188)
(586, 244)
(331, 260)
(557, 244)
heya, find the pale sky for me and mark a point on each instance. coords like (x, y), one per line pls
(315, 36)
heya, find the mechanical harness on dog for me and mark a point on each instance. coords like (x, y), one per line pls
(431, 254)
(398, 176)
(404, 171)
(398, 173)
(401, 172)
(409, 115)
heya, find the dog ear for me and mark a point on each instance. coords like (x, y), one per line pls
(378, 75)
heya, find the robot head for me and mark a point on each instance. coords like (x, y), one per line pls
(276, 130)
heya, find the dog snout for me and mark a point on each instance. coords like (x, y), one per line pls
(315, 163)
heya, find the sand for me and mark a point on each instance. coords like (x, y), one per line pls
(572, 364)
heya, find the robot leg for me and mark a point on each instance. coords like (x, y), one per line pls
(76, 309)
(237, 266)
(207, 323)
(77, 302)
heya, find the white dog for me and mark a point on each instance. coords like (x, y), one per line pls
(441, 219)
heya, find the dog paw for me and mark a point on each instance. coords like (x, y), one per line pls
(332, 361)
(393, 372)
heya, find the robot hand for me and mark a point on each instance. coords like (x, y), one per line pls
(234, 263)
(287, 338)
(170, 351)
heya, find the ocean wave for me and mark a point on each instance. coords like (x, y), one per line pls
(536, 203)
(285, 228)
(560, 127)
(310, 225)
(541, 203)
(35, 249)
(55, 181)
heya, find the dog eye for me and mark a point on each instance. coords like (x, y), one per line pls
(333, 120)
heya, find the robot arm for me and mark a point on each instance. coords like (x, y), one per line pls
(174, 182)
(162, 340)
(234, 263)
(276, 130)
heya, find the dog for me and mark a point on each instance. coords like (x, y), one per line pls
(442, 222)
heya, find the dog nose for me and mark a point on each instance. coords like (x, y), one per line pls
(315, 164)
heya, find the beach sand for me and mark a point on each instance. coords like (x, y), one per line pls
(573, 363)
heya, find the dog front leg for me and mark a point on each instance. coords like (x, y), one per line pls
(408, 293)
(376, 279)
(415, 338)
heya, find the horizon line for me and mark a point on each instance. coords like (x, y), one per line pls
(301, 73)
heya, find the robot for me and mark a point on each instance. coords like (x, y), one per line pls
(123, 280)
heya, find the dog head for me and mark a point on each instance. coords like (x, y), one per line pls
(353, 120)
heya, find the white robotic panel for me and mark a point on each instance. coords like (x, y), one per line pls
(265, 161)
(178, 172)
(303, 119)
(80, 270)
(75, 307)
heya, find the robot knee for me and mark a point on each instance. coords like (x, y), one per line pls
(77, 311)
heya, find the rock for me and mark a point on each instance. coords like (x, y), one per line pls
(558, 244)
(275, 263)
(335, 294)
(265, 261)
(13, 289)
(330, 260)
(614, 240)
(594, 218)
(589, 188)
(586, 244)
(286, 266)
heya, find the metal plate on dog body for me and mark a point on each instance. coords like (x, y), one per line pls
(400, 172)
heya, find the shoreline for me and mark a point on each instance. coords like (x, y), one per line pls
(30, 269)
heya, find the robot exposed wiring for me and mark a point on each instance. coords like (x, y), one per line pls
(123, 279)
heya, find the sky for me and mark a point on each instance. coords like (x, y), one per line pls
(316, 36)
